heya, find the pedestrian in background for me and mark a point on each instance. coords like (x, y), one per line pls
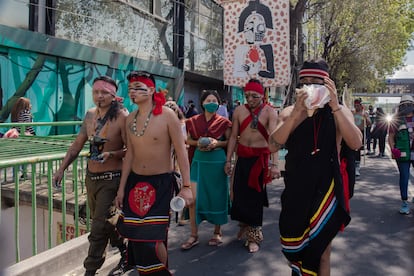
(236, 103)
(255, 165)
(208, 134)
(313, 201)
(22, 113)
(183, 216)
(362, 121)
(400, 139)
(191, 109)
(147, 182)
(104, 128)
(222, 109)
(379, 132)
(368, 132)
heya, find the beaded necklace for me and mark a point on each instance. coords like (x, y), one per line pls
(134, 125)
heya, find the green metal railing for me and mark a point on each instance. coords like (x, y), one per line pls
(23, 126)
(40, 157)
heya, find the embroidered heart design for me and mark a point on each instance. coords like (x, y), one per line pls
(141, 198)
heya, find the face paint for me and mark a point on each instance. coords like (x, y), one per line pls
(135, 92)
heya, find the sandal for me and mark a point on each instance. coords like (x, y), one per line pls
(216, 240)
(190, 243)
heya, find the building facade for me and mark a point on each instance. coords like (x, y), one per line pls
(51, 50)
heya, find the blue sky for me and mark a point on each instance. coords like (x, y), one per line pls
(408, 70)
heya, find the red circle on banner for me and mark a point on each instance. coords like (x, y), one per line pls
(253, 55)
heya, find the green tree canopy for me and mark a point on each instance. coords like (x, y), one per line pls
(363, 41)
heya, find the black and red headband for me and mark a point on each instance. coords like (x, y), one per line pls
(314, 69)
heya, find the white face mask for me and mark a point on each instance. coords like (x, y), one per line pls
(318, 97)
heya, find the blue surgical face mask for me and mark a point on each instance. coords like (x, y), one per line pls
(211, 107)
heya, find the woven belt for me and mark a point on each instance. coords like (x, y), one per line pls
(104, 176)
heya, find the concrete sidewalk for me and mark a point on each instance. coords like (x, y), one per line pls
(378, 241)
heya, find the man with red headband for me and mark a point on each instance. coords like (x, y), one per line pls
(104, 128)
(314, 202)
(147, 182)
(255, 167)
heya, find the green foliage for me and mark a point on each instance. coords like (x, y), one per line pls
(363, 41)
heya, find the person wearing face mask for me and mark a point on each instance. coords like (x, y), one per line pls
(207, 138)
(400, 139)
(255, 166)
(315, 204)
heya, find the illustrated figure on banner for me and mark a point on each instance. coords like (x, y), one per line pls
(254, 57)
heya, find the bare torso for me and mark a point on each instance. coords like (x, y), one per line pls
(151, 152)
(112, 131)
(252, 137)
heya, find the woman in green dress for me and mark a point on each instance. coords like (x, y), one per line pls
(207, 138)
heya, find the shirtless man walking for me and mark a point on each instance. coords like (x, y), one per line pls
(146, 186)
(104, 128)
(255, 166)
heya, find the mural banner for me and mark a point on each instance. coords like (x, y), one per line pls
(256, 42)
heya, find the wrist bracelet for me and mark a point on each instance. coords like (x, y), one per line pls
(339, 108)
(111, 154)
(186, 186)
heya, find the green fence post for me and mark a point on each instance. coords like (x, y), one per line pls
(63, 210)
(34, 211)
(76, 192)
(16, 212)
(50, 207)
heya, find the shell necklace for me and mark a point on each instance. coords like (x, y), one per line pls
(134, 125)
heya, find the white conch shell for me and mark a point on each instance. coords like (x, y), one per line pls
(318, 97)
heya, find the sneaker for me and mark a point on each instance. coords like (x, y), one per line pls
(405, 208)
(357, 173)
(122, 267)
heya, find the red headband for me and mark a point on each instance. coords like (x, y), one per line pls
(147, 81)
(313, 73)
(254, 86)
(105, 86)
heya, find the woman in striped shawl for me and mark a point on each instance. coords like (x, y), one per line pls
(22, 113)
